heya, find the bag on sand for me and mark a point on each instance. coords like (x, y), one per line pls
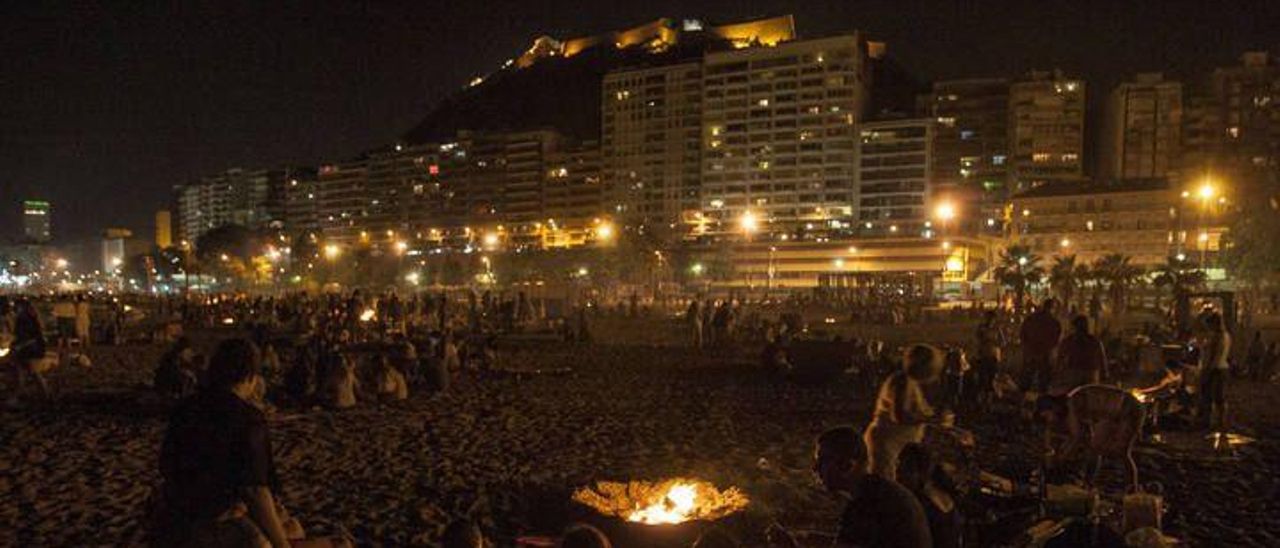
(1143, 509)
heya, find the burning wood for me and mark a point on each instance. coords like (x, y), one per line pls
(668, 502)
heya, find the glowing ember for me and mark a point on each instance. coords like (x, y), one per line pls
(675, 507)
(669, 502)
(367, 315)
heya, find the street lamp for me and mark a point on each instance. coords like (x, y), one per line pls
(604, 231)
(332, 251)
(749, 223)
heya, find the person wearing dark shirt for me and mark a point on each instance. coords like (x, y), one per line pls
(1082, 357)
(219, 476)
(920, 474)
(1039, 336)
(878, 512)
(29, 347)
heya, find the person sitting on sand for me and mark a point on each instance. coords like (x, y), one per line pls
(581, 535)
(388, 382)
(920, 474)
(338, 384)
(877, 512)
(901, 410)
(219, 477)
(178, 373)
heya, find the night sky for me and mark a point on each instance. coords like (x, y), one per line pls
(103, 108)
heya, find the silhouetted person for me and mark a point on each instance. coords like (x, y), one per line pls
(1039, 336)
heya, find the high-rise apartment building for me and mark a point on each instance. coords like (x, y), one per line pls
(780, 135)
(1046, 130)
(301, 203)
(894, 180)
(343, 201)
(1142, 131)
(574, 195)
(652, 142)
(1243, 101)
(249, 198)
(971, 147)
(37, 221)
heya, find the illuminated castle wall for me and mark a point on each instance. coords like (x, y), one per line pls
(662, 33)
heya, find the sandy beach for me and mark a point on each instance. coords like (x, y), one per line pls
(509, 449)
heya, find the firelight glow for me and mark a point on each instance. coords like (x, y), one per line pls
(675, 507)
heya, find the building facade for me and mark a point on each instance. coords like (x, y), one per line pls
(894, 177)
(343, 201)
(250, 198)
(971, 148)
(780, 135)
(1140, 218)
(651, 139)
(37, 221)
(1046, 130)
(1142, 129)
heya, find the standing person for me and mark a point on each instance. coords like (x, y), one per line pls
(694, 318)
(1039, 336)
(1256, 357)
(990, 344)
(1214, 372)
(901, 410)
(83, 326)
(64, 318)
(219, 475)
(29, 347)
(1082, 358)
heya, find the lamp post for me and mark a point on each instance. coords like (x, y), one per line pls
(749, 224)
(1205, 193)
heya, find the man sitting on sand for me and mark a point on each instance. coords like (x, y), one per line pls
(338, 384)
(877, 512)
(219, 476)
(388, 382)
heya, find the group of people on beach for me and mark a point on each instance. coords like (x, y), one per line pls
(220, 485)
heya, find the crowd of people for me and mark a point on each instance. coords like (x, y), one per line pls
(221, 487)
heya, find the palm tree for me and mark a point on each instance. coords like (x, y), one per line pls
(1182, 276)
(1119, 276)
(1019, 268)
(1065, 277)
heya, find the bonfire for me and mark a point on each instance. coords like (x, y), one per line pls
(657, 503)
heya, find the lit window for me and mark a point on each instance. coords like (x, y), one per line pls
(966, 134)
(998, 160)
(763, 102)
(1041, 157)
(948, 121)
(1070, 157)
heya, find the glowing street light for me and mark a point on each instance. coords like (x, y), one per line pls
(332, 251)
(61, 264)
(413, 278)
(1206, 191)
(401, 247)
(1065, 243)
(490, 240)
(749, 222)
(604, 231)
(945, 211)
(697, 269)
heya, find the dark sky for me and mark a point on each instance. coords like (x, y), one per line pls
(103, 107)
